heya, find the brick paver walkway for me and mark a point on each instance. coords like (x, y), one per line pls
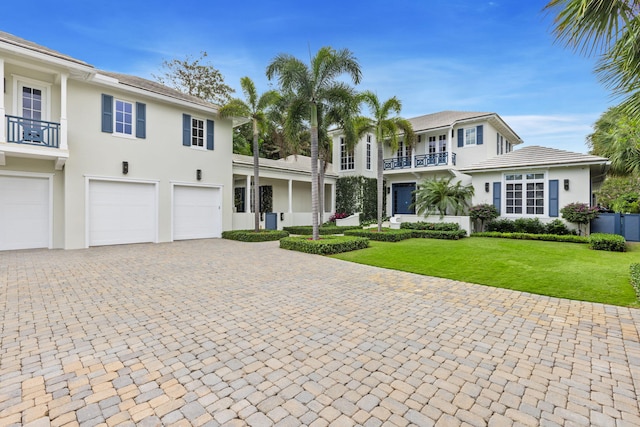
(225, 333)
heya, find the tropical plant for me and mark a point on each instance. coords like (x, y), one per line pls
(388, 128)
(192, 77)
(483, 212)
(609, 29)
(440, 195)
(616, 136)
(312, 86)
(579, 213)
(253, 108)
(616, 187)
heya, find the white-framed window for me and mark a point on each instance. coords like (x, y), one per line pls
(197, 132)
(442, 142)
(432, 145)
(123, 117)
(470, 136)
(525, 193)
(368, 153)
(31, 99)
(347, 158)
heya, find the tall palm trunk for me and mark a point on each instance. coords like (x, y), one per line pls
(380, 183)
(256, 177)
(314, 171)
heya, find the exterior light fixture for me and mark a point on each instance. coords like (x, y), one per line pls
(198, 174)
(125, 168)
(486, 187)
(566, 185)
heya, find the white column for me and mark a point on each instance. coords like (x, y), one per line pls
(3, 120)
(290, 196)
(333, 198)
(63, 112)
(450, 147)
(248, 196)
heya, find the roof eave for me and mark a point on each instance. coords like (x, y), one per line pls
(533, 165)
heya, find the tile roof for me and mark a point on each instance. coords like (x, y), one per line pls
(17, 41)
(535, 156)
(443, 119)
(155, 87)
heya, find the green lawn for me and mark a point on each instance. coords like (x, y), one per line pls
(565, 270)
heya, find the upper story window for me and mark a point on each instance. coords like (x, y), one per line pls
(31, 99)
(499, 144)
(432, 145)
(368, 153)
(32, 103)
(442, 142)
(197, 132)
(123, 118)
(347, 158)
(525, 193)
(470, 136)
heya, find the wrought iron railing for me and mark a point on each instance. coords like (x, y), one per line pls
(397, 163)
(420, 161)
(32, 132)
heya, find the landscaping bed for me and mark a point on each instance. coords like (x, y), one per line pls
(327, 245)
(252, 236)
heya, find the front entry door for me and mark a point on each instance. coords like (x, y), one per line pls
(403, 198)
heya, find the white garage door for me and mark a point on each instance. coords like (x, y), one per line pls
(196, 212)
(121, 212)
(25, 212)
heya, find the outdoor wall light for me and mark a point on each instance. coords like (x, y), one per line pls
(388, 190)
(566, 185)
(198, 174)
(125, 168)
(486, 187)
(281, 216)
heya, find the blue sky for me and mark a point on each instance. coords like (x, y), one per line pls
(434, 55)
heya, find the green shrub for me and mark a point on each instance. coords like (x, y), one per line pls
(529, 225)
(557, 226)
(607, 242)
(502, 225)
(439, 234)
(326, 245)
(483, 212)
(635, 278)
(387, 235)
(252, 236)
(323, 230)
(421, 225)
(525, 236)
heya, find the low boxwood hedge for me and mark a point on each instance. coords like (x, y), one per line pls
(252, 236)
(526, 236)
(323, 230)
(387, 234)
(437, 226)
(635, 278)
(607, 242)
(439, 234)
(326, 245)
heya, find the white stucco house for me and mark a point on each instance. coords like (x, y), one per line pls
(481, 149)
(90, 157)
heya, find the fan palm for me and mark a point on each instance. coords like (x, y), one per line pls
(387, 129)
(439, 195)
(313, 86)
(253, 108)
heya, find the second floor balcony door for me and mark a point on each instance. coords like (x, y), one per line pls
(32, 103)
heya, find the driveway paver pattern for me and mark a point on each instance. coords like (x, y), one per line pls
(217, 332)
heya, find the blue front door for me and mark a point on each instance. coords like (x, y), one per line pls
(403, 198)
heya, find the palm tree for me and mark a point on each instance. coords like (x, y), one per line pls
(313, 86)
(386, 129)
(616, 136)
(609, 29)
(254, 108)
(438, 194)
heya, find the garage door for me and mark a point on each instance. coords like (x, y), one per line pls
(25, 212)
(196, 212)
(121, 212)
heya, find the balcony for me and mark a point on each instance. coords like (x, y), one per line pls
(33, 132)
(419, 161)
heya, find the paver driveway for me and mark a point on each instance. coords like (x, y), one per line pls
(217, 332)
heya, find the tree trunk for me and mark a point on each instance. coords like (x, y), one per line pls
(314, 171)
(380, 184)
(256, 177)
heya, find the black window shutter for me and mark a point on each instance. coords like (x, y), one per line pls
(141, 118)
(209, 134)
(186, 130)
(553, 197)
(107, 113)
(479, 130)
(497, 193)
(460, 137)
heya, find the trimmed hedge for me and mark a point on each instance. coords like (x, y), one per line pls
(607, 242)
(322, 230)
(439, 234)
(387, 235)
(327, 245)
(526, 236)
(252, 236)
(635, 278)
(437, 226)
